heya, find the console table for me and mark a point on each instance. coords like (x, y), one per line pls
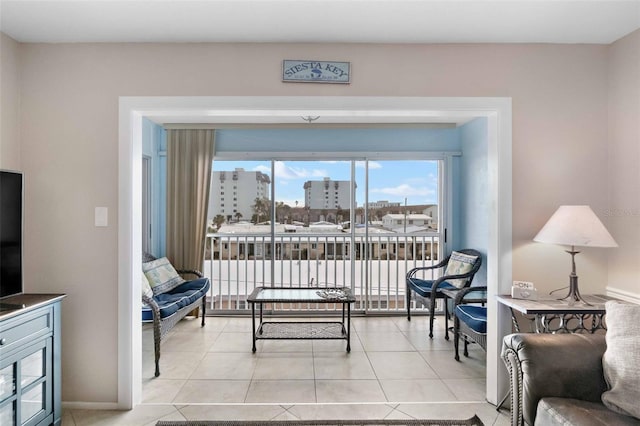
(559, 316)
(30, 347)
(301, 330)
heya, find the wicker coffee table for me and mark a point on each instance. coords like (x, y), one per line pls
(278, 330)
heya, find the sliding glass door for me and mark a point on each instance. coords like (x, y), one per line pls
(351, 222)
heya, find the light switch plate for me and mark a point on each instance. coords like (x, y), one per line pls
(102, 216)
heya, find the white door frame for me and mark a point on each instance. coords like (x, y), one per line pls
(245, 109)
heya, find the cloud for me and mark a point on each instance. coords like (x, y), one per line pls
(405, 190)
(372, 165)
(263, 169)
(284, 171)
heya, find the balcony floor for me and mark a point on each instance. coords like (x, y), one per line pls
(393, 371)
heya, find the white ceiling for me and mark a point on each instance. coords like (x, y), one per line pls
(358, 21)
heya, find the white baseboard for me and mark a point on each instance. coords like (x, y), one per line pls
(623, 295)
(80, 405)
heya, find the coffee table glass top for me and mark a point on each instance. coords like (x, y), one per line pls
(313, 294)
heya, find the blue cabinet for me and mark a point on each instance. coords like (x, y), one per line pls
(30, 360)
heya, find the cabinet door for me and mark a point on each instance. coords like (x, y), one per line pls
(25, 385)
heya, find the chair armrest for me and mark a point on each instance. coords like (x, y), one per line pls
(413, 271)
(460, 296)
(436, 283)
(155, 309)
(191, 271)
(552, 365)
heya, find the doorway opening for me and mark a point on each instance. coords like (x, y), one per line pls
(497, 111)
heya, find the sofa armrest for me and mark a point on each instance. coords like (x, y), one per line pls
(155, 309)
(546, 365)
(190, 272)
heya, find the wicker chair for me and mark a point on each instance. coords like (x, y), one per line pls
(187, 298)
(431, 290)
(470, 321)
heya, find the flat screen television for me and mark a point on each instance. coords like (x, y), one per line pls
(11, 221)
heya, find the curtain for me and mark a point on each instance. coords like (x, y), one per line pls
(189, 163)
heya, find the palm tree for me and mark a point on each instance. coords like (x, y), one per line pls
(218, 221)
(260, 208)
(238, 216)
(360, 213)
(282, 211)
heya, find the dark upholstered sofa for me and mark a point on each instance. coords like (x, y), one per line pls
(558, 379)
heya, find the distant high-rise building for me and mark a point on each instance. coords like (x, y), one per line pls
(327, 194)
(235, 192)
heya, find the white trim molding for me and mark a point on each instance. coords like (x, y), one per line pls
(78, 405)
(247, 109)
(623, 295)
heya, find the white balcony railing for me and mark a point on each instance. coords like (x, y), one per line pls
(375, 271)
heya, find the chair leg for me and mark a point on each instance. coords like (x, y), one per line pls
(204, 307)
(446, 319)
(157, 373)
(466, 347)
(156, 347)
(431, 316)
(456, 337)
(408, 303)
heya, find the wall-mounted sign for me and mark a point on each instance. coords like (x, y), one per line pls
(316, 71)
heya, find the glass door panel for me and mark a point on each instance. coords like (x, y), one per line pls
(343, 222)
(238, 228)
(7, 382)
(313, 210)
(34, 397)
(32, 402)
(403, 225)
(8, 414)
(32, 368)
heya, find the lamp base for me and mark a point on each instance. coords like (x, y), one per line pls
(574, 294)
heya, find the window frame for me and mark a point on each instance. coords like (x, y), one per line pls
(445, 179)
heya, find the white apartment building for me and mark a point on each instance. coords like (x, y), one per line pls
(327, 194)
(412, 221)
(234, 192)
(432, 211)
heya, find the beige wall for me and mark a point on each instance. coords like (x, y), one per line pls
(9, 104)
(624, 164)
(70, 151)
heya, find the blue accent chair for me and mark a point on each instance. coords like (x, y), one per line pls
(470, 320)
(431, 290)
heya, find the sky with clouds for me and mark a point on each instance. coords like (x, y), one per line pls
(395, 180)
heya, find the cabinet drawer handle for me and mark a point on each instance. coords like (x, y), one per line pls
(3, 341)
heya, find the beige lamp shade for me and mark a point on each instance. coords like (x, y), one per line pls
(575, 226)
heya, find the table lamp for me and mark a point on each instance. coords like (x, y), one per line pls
(575, 226)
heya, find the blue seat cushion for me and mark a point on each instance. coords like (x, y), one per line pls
(475, 317)
(172, 301)
(423, 287)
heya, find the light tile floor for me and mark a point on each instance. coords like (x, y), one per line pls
(393, 371)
